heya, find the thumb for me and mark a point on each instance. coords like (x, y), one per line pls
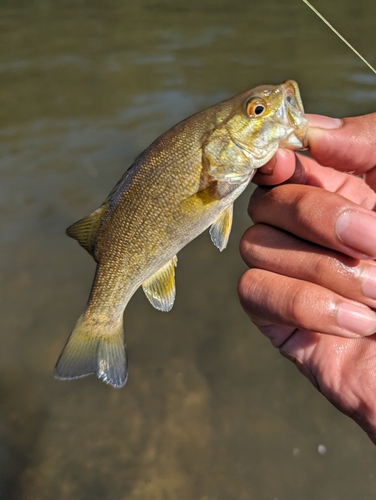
(348, 145)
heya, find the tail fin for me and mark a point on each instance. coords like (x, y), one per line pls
(103, 354)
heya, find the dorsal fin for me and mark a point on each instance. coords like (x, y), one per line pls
(86, 229)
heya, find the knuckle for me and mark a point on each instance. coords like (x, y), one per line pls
(299, 300)
(320, 267)
(249, 289)
(250, 242)
(256, 202)
(244, 285)
(306, 204)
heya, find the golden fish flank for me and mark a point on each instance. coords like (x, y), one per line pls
(183, 183)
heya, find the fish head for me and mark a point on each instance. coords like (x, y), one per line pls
(261, 120)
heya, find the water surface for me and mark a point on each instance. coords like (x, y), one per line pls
(210, 411)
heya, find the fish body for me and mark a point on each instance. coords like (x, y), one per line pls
(185, 182)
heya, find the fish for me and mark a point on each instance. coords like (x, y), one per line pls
(185, 182)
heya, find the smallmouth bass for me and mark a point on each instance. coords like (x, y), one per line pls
(185, 182)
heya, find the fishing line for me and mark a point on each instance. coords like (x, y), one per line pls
(339, 35)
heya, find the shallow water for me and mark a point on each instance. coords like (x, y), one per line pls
(210, 411)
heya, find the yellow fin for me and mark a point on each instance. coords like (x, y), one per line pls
(160, 287)
(86, 229)
(220, 230)
(89, 351)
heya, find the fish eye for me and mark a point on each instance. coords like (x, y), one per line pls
(256, 107)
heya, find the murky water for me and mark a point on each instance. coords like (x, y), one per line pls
(211, 411)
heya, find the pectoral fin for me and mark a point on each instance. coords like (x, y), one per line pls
(160, 287)
(220, 230)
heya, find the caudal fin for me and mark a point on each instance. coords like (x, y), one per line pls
(85, 353)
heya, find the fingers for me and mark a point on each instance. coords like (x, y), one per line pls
(293, 168)
(269, 298)
(343, 370)
(279, 169)
(287, 166)
(318, 216)
(347, 145)
(265, 247)
(351, 147)
(309, 257)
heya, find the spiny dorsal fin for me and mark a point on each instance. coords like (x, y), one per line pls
(86, 229)
(159, 288)
(221, 228)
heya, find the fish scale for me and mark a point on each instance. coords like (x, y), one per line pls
(185, 182)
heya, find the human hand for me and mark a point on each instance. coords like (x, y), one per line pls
(311, 287)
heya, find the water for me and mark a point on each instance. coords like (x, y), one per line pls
(211, 411)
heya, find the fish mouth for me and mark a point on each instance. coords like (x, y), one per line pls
(291, 115)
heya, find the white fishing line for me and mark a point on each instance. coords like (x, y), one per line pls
(339, 35)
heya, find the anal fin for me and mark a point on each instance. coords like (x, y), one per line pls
(220, 230)
(160, 287)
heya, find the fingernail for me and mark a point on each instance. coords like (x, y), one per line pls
(356, 318)
(325, 122)
(358, 231)
(369, 283)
